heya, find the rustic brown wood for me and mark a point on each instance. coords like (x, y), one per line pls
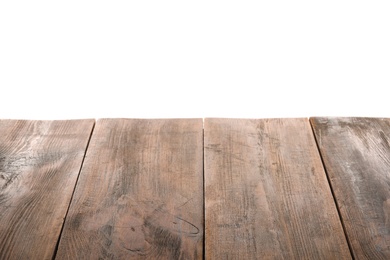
(39, 165)
(266, 193)
(140, 193)
(356, 154)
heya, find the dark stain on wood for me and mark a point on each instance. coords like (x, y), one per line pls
(140, 193)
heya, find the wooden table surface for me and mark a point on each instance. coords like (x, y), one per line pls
(293, 188)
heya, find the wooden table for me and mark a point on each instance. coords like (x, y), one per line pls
(193, 189)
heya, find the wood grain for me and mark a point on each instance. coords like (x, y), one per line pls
(356, 154)
(266, 193)
(140, 193)
(39, 165)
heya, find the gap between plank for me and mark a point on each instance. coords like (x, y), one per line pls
(74, 189)
(204, 198)
(332, 191)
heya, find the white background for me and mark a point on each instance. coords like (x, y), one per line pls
(150, 59)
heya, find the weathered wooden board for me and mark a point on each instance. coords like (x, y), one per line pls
(39, 165)
(140, 193)
(266, 193)
(356, 154)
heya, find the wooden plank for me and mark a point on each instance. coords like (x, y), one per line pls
(356, 154)
(39, 165)
(140, 193)
(267, 195)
